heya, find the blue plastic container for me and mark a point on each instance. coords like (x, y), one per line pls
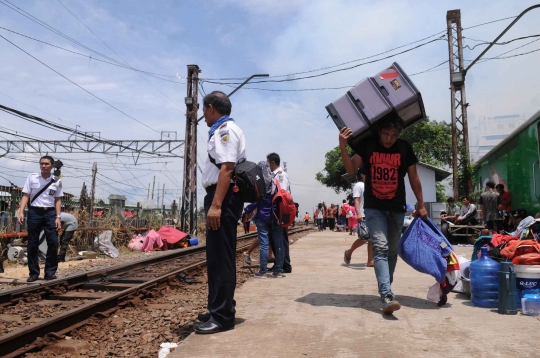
(484, 282)
(193, 241)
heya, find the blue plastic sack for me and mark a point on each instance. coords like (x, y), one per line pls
(424, 247)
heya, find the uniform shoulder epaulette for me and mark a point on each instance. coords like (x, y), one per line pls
(223, 125)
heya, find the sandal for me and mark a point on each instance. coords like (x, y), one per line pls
(346, 258)
(247, 258)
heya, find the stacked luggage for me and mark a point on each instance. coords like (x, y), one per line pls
(389, 93)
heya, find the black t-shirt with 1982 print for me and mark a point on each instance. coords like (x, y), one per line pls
(385, 170)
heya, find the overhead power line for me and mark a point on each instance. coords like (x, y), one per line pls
(334, 66)
(84, 89)
(338, 70)
(499, 43)
(153, 74)
(361, 59)
(120, 57)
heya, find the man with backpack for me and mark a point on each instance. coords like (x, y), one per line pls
(274, 161)
(386, 159)
(269, 230)
(223, 206)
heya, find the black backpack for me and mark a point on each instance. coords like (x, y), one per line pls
(249, 178)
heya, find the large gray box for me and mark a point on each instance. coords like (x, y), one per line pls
(402, 94)
(390, 93)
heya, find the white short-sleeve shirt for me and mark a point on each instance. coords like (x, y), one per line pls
(283, 178)
(33, 185)
(227, 145)
(358, 192)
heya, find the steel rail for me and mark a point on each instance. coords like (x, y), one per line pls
(13, 344)
(8, 297)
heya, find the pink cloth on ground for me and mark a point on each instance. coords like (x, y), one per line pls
(152, 238)
(136, 243)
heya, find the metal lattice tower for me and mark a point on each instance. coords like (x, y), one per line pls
(460, 130)
(189, 189)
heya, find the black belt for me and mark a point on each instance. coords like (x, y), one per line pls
(213, 187)
(42, 208)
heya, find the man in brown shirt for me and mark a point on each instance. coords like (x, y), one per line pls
(332, 213)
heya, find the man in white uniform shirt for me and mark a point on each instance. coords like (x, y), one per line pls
(43, 214)
(223, 206)
(358, 195)
(281, 175)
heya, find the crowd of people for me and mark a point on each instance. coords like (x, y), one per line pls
(495, 215)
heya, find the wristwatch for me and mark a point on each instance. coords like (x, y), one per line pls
(57, 216)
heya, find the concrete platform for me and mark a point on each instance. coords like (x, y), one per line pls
(327, 309)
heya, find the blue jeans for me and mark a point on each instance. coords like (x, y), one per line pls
(385, 230)
(267, 231)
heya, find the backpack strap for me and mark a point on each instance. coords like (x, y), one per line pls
(213, 161)
(42, 190)
(278, 186)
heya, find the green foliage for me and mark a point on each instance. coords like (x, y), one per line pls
(333, 170)
(440, 192)
(431, 141)
(466, 178)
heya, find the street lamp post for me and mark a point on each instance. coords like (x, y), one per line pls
(499, 37)
(237, 88)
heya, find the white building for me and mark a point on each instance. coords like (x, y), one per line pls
(490, 131)
(429, 175)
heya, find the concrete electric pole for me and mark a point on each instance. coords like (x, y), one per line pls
(188, 219)
(92, 193)
(460, 130)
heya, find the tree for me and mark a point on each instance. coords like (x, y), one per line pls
(331, 176)
(431, 141)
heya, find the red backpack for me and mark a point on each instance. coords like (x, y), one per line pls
(285, 205)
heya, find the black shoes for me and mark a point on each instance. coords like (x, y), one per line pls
(210, 328)
(48, 278)
(62, 258)
(203, 317)
(32, 278)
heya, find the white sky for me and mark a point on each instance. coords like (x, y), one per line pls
(238, 38)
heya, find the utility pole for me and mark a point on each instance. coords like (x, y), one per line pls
(153, 186)
(460, 130)
(148, 195)
(188, 212)
(163, 198)
(189, 189)
(92, 192)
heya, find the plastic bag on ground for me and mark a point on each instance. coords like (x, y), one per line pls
(166, 349)
(434, 293)
(105, 245)
(424, 247)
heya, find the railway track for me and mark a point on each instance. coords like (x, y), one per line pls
(100, 292)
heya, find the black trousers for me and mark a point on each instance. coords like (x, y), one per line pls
(65, 239)
(40, 219)
(221, 258)
(471, 219)
(287, 262)
(332, 223)
(246, 227)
